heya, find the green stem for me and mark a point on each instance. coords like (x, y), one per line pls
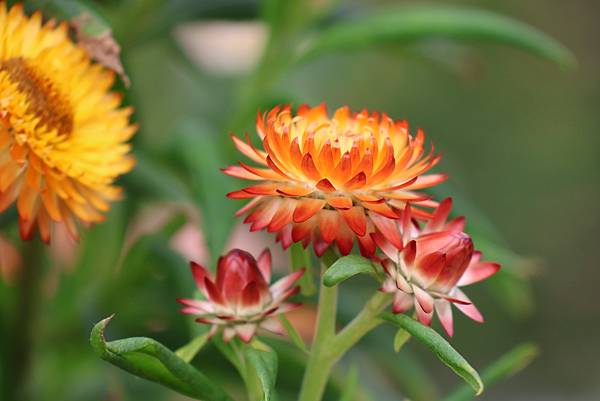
(328, 348)
(18, 361)
(319, 362)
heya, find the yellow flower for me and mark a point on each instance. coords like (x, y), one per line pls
(333, 179)
(62, 133)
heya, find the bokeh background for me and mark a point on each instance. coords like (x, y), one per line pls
(521, 145)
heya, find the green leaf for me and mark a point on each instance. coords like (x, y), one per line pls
(346, 267)
(402, 336)
(146, 358)
(294, 336)
(408, 24)
(349, 390)
(440, 347)
(189, 351)
(264, 363)
(301, 259)
(508, 365)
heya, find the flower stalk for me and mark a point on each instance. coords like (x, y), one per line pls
(328, 347)
(18, 358)
(320, 361)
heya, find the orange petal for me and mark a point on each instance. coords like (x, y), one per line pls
(345, 239)
(340, 202)
(408, 196)
(429, 180)
(294, 191)
(263, 172)
(307, 208)
(358, 181)
(308, 167)
(367, 246)
(329, 225)
(262, 215)
(355, 218)
(381, 208)
(262, 189)
(50, 204)
(44, 225)
(325, 159)
(249, 150)
(302, 231)
(28, 203)
(26, 228)
(282, 216)
(8, 197)
(249, 206)
(405, 184)
(239, 172)
(368, 198)
(325, 185)
(343, 169)
(240, 194)
(271, 162)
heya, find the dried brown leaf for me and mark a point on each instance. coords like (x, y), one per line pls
(102, 47)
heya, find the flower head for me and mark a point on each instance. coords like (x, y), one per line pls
(239, 299)
(332, 179)
(62, 133)
(425, 266)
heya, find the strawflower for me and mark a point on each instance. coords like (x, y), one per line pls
(426, 266)
(331, 180)
(239, 300)
(62, 133)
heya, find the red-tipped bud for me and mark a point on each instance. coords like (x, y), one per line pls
(240, 300)
(427, 271)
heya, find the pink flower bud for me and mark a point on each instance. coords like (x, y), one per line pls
(427, 267)
(240, 300)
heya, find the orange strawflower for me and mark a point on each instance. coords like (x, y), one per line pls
(333, 179)
(62, 133)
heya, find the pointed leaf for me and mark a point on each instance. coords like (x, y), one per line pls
(440, 347)
(508, 365)
(264, 363)
(346, 267)
(294, 336)
(407, 24)
(146, 358)
(402, 336)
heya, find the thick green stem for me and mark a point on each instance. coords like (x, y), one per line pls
(328, 348)
(320, 363)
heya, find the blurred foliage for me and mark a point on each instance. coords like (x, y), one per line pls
(186, 112)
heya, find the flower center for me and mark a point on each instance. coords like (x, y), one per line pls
(43, 97)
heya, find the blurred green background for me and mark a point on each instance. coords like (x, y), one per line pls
(520, 142)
